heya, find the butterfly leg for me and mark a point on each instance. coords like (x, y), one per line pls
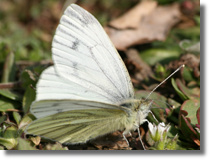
(153, 116)
(137, 127)
(124, 133)
(145, 120)
(126, 138)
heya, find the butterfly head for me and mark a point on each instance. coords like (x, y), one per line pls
(144, 107)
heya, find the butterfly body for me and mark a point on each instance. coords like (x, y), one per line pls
(136, 113)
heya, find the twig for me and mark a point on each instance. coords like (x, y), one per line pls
(10, 85)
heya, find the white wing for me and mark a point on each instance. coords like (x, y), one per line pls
(83, 121)
(87, 66)
(53, 87)
(50, 107)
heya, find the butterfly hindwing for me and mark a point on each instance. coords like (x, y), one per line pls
(79, 126)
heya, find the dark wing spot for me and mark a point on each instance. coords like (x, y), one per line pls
(59, 110)
(75, 45)
(55, 104)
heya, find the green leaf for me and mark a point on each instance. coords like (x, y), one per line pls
(188, 75)
(198, 115)
(188, 119)
(171, 145)
(9, 69)
(24, 145)
(11, 95)
(181, 95)
(197, 20)
(17, 117)
(8, 104)
(191, 106)
(160, 72)
(8, 123)
(4, 50)
(28, 98)
(160, 145)
(28, 118)
(29, 75)
(163, 56)
(192, 33)
(174, 103)
(188, 92)
(187, 130)
(185, 145)
(10, 137)
(172, 131)
(7, 143)
(3, 118)
(10, 132)
(189, 46)
(175, 110)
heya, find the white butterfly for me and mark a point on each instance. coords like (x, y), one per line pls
(88, 92)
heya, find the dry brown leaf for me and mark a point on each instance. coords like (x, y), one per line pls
(141, 70)
(190, 60)
(186, 22)
(36, 140)
(138, 144)
(100, 144)
(46, 37)
(14, 110)
(133, 17)
(153, 26)
(114, 141)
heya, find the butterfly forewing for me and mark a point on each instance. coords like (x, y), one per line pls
(84, 55)
(77, 98)
(52, 86)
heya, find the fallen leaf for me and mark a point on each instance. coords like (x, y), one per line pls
(189, 60)
(36, 140)
(153, 26)
(138, 69)
(114, 141)
(133, 17)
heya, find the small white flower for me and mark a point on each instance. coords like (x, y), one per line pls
(153, 129)
(162, 127)
(157, 132)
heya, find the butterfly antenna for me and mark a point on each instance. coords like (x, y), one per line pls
(159, 108)
(165, 80)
